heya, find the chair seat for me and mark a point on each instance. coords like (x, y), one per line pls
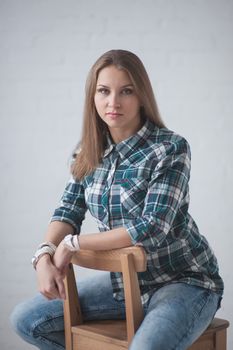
(94, 334)
(111, 332)
(217, 324)
(214, 336)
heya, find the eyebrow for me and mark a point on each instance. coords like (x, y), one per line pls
(123, 86)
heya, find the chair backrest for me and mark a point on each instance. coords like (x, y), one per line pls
(110, 260)
(129, 261)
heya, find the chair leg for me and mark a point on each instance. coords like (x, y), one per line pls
(72, 310)
(221, 337)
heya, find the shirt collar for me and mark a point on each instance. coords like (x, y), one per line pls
(132, 143)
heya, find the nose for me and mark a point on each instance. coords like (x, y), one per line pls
(113, 100)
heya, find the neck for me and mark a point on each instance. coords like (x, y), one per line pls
(118, 135)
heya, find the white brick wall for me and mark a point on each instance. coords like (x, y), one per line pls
(46, 49)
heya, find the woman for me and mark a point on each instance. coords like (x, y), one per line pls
(132, 173)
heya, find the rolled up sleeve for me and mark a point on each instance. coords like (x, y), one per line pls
(72, 207)
(166, 197)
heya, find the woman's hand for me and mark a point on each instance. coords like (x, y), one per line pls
(62, 258)
(50, 279)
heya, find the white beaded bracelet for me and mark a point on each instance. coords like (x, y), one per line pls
(47, 244)
(71, 242)
(43, 248)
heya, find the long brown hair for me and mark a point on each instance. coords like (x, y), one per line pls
(93, 140)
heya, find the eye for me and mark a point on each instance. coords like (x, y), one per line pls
(127, 91)
(103, 91)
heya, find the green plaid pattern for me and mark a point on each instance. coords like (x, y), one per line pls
(142, 185)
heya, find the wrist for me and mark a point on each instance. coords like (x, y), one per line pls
(43, 259)
(68, 252)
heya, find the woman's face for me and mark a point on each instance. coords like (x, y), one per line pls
(117, 103)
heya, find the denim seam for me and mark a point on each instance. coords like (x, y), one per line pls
(193, 321)
(39, 335)
(34, 335)
(44, 320)
(50, 342)
(96, 309)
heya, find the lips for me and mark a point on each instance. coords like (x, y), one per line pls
(113, 114)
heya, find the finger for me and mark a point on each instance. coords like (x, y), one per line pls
(63, 272)
(61, 288)
(50, 292)
(63, 263)
(48, 296)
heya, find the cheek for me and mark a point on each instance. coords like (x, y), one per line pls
(99, 104)
(133, 105)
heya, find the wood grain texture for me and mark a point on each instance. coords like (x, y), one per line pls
(71, 306)
(109, 260)
(117, 334)
(134, 310)
(109, 334)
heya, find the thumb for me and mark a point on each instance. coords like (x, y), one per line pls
(61, 287)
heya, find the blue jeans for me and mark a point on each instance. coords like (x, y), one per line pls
(175, 316)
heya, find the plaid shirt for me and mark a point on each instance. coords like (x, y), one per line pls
(142, 185)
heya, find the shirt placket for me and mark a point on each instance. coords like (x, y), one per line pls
(106, 196)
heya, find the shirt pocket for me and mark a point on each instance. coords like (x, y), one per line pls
(132, 193)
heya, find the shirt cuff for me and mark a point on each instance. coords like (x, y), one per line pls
(68, 221)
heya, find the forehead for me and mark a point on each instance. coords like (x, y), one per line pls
(112, 75)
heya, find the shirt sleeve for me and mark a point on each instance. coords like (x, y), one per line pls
(72, 206)
(167, 194)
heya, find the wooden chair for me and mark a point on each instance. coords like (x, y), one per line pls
(117, 334)
(109, 334)
(214, 337)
